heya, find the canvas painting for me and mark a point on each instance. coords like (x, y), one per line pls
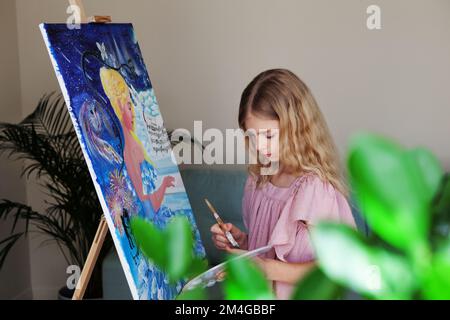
(113, 107)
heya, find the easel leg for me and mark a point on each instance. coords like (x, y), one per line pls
(91, 260)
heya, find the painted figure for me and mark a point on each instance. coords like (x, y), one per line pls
(140, 168)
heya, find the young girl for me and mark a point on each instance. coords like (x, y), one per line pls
(281, 208)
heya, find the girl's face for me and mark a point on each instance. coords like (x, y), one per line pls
(127, 114)
(264, 135)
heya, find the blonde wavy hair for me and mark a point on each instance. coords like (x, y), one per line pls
(115, 88)
(306, 145)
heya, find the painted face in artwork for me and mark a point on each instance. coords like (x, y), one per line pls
(127, 110)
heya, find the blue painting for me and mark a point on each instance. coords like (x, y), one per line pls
(118, 122)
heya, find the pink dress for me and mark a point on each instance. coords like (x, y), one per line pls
(274, 215)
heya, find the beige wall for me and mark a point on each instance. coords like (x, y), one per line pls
(15, 274)
(201, 54)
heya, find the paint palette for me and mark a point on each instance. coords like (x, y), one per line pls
(209, 277)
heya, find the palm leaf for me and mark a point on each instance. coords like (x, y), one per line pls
(6, 245)
(46, 142)
(50, 118)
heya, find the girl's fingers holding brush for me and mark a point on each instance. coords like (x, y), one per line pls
(218, 237)
(215, 229)
(220, 242)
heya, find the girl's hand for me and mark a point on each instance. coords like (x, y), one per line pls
(168, 181)
(220, 240)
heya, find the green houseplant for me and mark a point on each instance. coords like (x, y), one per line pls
(405, 197)
(47, 144)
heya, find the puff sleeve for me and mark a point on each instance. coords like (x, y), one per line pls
(312, 201)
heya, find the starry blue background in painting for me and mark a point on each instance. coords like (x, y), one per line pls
(68, 47)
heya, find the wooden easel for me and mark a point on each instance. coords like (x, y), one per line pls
(102, 230)
(91, 259)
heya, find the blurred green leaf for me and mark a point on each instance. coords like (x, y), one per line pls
(316, 286)
(151, 241)
(394, 189)
(437, 280)
(442, 201)
(197, 267)
(194, 294)
(430, 172)
(440, 226)
(179, 246)
(170, 249)
(375, 272)
(245, 281)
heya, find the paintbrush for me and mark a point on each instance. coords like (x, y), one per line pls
(221, 224)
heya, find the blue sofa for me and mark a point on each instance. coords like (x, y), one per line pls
(223, 186)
